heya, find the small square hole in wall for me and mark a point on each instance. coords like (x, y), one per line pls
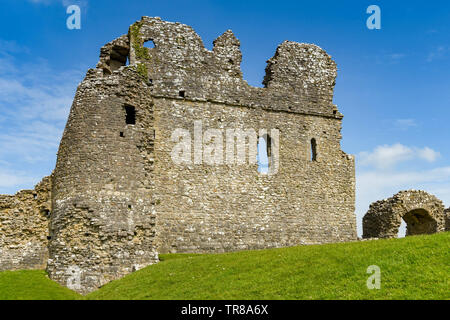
(121, 134)
(49, 237)
(182, 93)
(129, 206)
(149, 44)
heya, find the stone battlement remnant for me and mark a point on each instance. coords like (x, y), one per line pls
(117, 197)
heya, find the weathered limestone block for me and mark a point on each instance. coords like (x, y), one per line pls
(422, 212)
(24, 221)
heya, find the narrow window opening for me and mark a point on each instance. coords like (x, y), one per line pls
(121, 134)
(264, 153)
(313, 150)
(182, 93)
(130, 115)
(149, 44)
(129, 206)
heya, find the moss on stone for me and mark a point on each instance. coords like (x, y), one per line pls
(137, 42)
(142, 70)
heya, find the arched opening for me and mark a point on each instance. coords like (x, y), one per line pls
(421, 213)
(419, 221)
(313, 150)
(264, 153)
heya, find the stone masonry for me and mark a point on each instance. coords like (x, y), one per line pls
(118, 198)
(422, 212)
(24, 220)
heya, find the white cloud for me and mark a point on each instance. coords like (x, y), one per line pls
(387, 156)
(12, 179)
(34, 105)
(378, 177)
(376, 185)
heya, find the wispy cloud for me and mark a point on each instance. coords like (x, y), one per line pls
(378, 176)
(34, 105)
(405, 124)
(437, 53)
(387, 156)
(389, 58)
(65, 3)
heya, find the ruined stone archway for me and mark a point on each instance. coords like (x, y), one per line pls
(422, 212)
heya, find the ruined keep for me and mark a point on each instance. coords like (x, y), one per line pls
(117, 197)
(422, 212)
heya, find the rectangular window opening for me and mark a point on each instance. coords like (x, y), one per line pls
(130, 115)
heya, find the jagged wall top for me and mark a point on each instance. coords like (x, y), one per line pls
(299, 78)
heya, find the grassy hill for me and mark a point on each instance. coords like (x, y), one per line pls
(411, 268)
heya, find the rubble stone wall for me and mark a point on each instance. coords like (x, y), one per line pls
(103, 218)
(118, 198)
(24, 219)
(422, 212)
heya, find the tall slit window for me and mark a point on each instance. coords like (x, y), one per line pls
(264, 153)
(130, 117)
(313, 150)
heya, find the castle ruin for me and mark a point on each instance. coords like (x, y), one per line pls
(422, 212)
(116, 197)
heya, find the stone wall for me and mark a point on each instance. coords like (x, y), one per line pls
(118, 197)
(204, 208)
(103, 211)
(447, 219)
(217, 208)
(24, 221)
(422, 212)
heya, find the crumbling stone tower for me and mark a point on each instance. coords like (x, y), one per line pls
(118, 198)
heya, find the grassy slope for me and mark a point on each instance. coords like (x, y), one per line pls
(32, 285)
(411, 268)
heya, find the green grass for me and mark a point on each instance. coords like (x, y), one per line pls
(32, 285)
(411, 268)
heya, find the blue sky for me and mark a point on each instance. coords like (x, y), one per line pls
(393, 84)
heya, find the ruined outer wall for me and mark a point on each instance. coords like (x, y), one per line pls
(103, 219)
(117, 196)
(24, 228)
(447, 219)
(217, 208)
(204, 208)
(422, 212)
